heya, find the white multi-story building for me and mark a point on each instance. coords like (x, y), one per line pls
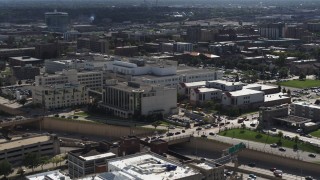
(225, 85)
(138, 67)
(60, 95)
(201, 95)
(55, 66)
(184, 75)
(185, 88)
(242, 97)
(127, 99)
(90, 79)
(161, 72)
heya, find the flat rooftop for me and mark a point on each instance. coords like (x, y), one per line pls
(306, 104)
(263, 86)
(23, 142)
(92, 153)
(115, 175)
(9, 103)
(25, 58)
(274, 97)
(54, 175)
(226, 83)
(203, 90)
(245, 92)
(293, 119)
(195, 84)
(151, 166)
(17, 49)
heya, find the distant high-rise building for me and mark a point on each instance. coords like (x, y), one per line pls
(272, 31)
(93, 45)
(57, 21)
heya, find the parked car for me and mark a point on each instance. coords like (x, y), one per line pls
(274, 129)
(215, 125)
(170, 134)
(273, 169)
(309, 178)
(252, 176)
(299, 130)
(312, 155)
(211, 134)
(240, 121)
(199, 129)
(252, 125)
(274, 145)
(204, 136)
(278, 173)
(252, 164)
(282, 149)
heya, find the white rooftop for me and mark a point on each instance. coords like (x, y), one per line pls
(195, 84)
(53, 175)
(99, 156)
(151, 167)
(263, 86)
(276, 96)
(304, 103)
(226, 83)
(205, 165)
(115, 175)
(203, 90)
(245, 92)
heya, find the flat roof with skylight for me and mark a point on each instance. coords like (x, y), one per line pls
(152, 166)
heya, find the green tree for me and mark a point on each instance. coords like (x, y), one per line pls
(44, 160)
(302, 76)
(289, 92)
(31, 160)
(19, 82)
(280, 135)
(156, 124)
(243, 126)
(284, 90)
(237, 79)
(279, 88)
(281, 61)
(5, 168)
(283, 72)
(21, 171)
(56, 160)
(22, 101)
(296, 139)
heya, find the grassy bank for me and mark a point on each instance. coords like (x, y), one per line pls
(264, 138)
(316, 133)
(308, 83)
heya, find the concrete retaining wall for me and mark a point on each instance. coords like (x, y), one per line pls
(94, 129)
(218, 147)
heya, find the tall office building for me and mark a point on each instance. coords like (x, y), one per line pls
(57, 21)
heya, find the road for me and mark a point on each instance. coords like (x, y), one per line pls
(304, 156)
